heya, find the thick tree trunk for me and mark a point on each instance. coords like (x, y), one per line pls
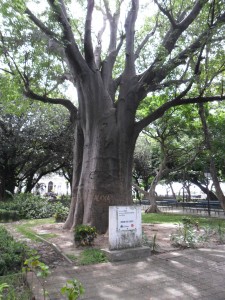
(216, 183)
(171, 187)
(10, 181)
(29, 184)
(103, 155)
(153, 208)
(212, 166)
(102, 180)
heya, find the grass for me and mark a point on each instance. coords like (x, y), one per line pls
(175, 218)
(26, 229)
(18, 289)
(89, 256)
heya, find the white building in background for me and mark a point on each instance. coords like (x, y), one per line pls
(165, 190)
(53, 183)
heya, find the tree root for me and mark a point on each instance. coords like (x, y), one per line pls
(153, 208)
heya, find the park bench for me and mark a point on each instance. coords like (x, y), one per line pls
(167, 204)
(202, 206)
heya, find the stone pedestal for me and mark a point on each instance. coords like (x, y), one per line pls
(125, 234)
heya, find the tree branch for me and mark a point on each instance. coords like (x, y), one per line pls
(173, 34)
(159, 112)
(76, 60)
(158, 67)
(98, 48)
(145, 40)
(64, 102)
(158, 71)
(193, 14)
(88, 47)
(113, 49)
(142, 191)
(7, 71)
(167, 14)
(130, 32)
(41, 25)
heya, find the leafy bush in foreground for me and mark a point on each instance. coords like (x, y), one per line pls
(84, 235)
(12, 253)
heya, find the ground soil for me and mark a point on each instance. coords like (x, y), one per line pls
(64, 242)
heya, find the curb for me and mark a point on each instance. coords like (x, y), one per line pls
(56, 248)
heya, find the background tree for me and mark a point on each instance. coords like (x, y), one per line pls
(33, 144)
(146, 160)
(179, 143)
(112, 81)
(193, 173)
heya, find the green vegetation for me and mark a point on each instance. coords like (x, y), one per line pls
(12, 253)
(41, 269)
(88, 257)
(26, 228)
(175, 218)
(9, 215)
(91, 256)
(73, 289)
(12, 257)
(29, 206)
(61, 212)
(84, 235)
(191, 234)
(17, 288)
(150, 243)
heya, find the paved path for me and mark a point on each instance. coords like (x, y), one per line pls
(188, 274)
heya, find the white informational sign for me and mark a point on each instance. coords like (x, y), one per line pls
(125, 230)
(126, 219)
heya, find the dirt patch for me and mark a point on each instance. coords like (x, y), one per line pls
(162, 233)
(64, 239)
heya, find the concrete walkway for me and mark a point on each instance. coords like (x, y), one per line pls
(188, 274)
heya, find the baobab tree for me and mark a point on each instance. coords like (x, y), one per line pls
(165, 58)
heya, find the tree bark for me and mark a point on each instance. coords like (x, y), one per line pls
(153, 208)
(2, 188)
(103, 154)
(212, 196)
(212, 166)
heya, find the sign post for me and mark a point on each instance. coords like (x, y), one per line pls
(124, 227)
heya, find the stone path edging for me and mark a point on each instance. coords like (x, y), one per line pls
(56, 248)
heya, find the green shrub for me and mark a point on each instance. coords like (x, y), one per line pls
(12, 253)
(29, 206)
(9, 215)
(65, 200)
(84, 235)
(185, 237)
(61, 212)
(17, 287)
